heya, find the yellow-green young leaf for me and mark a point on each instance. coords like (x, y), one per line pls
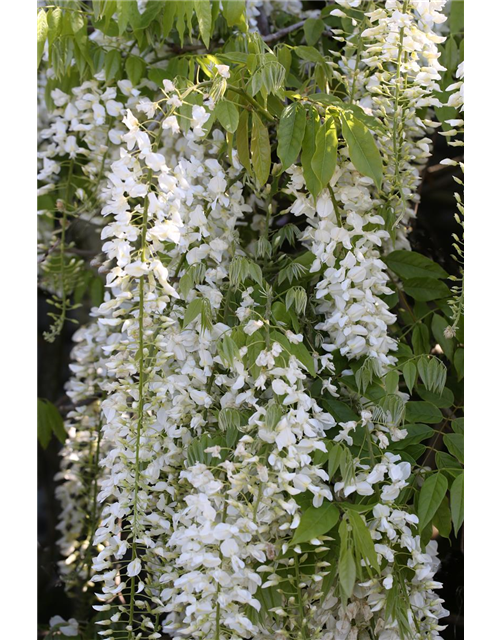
(143, 20)
(363, 540)
(135, 66)
(291, 128)
(168, 18)
(316, 521)
(242, 141)
(234, 12)
(308, 148)
(431, 495)
(261, 150)
(347, 571)
(54, 20)
(362, 148)
(457, 502)
(42, 30)
(227, 114)
(324, 160)
(204, 15)
(123, 15)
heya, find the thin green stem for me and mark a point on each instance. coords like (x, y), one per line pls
(140, 409)
(252, 101)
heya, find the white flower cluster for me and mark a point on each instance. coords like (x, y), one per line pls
(394, 75)
(353, 277)
(182, 212)
(80, 130)
(80, 456)
(210, 440)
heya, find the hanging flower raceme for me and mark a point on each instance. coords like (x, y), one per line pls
(80, 472)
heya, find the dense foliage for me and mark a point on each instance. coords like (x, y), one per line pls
(266, 365)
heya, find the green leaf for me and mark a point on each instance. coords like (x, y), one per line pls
(204, 14)
(96, 291)
(112, 64)
(227, 114)
(363, 541)
(144, 19)
(324, 160)
(441, 400)
(409, 374)
(456, 23)
(409, 264)
(299, 350)
(313, 28)
(242, 141)
(228, 350)
(193, 310)
(234, 12)
(229, 418)
(328, 99)
(391, 382)
(291, 129)
(442, 518)
(168, 19)
(261, 150)
(420, 339)
(458, 425)
(457, 502)
(416, 433)
(308, 150)
(334, 458)
(135, 66)
(455, 444)
(426, 289)
(123, 15)
(439, 324)
(422, 412)
(362, 148)
(431, 495)
(458, 361)
(446, 462)
(54, 20)
(310, 54)
(49, 421)
(43, 426)
(273, 415)
(432, 373)
(42, 30)
(347, 571)
(341, 411)
(316, 521)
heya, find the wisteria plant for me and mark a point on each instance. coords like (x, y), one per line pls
(265, 365)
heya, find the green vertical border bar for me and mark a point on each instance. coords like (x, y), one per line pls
(482, 276)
